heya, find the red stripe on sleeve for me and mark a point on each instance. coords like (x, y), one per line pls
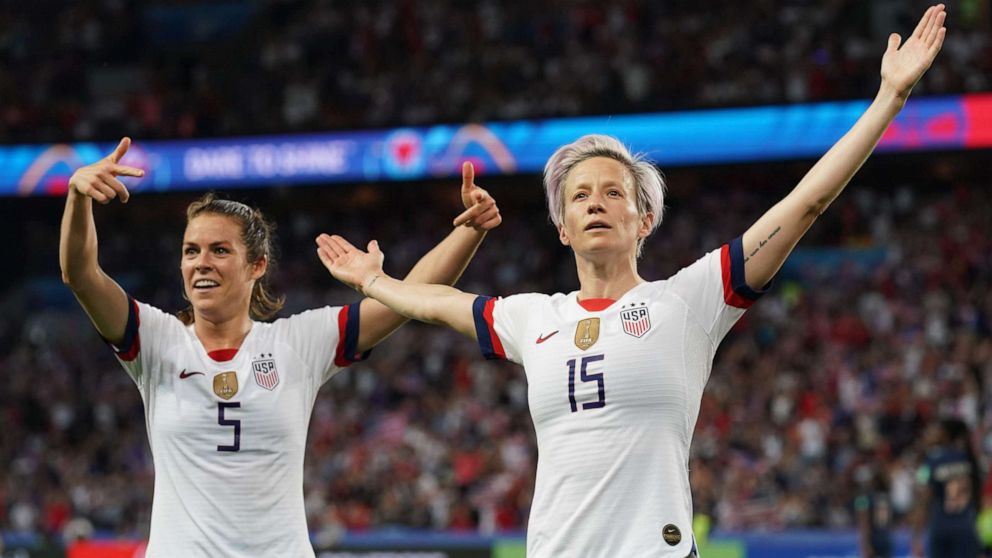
(339, 357)
(487, 313)
(729, 296)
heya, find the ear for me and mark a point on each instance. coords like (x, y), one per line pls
(563, 236)
(647, 222)
(258, 268)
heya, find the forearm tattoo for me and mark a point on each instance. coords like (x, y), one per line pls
(761, 244)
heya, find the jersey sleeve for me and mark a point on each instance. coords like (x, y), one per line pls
(714, 289)
(501, 323)
(148, 330)
(326, 338)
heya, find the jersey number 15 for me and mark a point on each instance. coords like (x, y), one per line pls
(585, 376)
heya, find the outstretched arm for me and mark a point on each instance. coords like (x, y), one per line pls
(438, 304)
(443, 265)
(771, 239)
(100, 296)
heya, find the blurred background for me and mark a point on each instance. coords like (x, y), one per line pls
(879, 324)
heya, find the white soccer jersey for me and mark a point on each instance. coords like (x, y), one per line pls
(228, 437)
(614, 395)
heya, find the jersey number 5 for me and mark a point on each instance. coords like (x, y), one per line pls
(221, 405)
(585, 376)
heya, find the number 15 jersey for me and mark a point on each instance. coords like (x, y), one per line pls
(614, 395)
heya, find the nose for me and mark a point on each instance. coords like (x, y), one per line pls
(595, 205)
(202, 261)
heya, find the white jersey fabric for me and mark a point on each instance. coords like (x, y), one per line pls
(614, 396)
(228, 437)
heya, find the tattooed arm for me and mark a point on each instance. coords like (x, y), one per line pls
(770, 240)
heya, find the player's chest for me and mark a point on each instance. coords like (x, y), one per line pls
(260, 383)
(615, 362)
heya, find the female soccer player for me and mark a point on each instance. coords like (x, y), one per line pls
(228, 397)
(616, 370)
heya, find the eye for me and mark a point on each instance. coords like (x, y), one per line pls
(615, 194)
(221, 250)
(189, 251)
(580, 196)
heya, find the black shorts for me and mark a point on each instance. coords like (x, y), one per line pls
(957, 543)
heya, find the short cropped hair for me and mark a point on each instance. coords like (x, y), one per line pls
(649, 184)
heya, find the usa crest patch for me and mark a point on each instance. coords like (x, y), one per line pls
(636, 321)
(266, 375)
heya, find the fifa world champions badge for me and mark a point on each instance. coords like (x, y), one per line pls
(636, 321)
(266, 375)
(587, 333)
(226, 385)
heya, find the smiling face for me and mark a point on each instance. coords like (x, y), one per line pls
(600, 209)
(217, 277)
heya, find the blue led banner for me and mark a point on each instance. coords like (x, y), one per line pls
(669, 139)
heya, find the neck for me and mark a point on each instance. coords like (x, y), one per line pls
(606, 278)
(226, 334)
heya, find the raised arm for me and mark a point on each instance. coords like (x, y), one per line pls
(443, 265)
(771, 239)
(437, 304)
(100, 296)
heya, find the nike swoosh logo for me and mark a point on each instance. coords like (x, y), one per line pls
(184, 374)
(543, 338)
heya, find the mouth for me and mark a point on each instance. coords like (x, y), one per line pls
(597, 225)
(204, 285)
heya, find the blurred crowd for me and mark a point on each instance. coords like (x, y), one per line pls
(96, 69)
(880, 324)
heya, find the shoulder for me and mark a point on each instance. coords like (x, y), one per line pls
(147, 314)
(306, 316)
(529, 302)
(315, 322)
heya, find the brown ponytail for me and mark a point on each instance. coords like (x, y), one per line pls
(256, 233)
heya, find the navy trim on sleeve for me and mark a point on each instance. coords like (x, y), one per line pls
(131, 344)
(737, 280)
(351, 335)
(482, 328)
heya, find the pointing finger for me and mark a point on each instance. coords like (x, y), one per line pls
(121, 149)
(121, 170)
(468, 177)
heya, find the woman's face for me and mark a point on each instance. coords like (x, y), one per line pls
(600, 212)
(217, 277)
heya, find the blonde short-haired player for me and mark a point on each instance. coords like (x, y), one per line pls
(616, 370)
(227, 396)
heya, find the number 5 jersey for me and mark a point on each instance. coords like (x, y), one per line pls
(228, 429)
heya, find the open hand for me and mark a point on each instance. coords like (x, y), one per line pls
(99, 180)
(480, 212)
(349, 264)
(903, 67)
